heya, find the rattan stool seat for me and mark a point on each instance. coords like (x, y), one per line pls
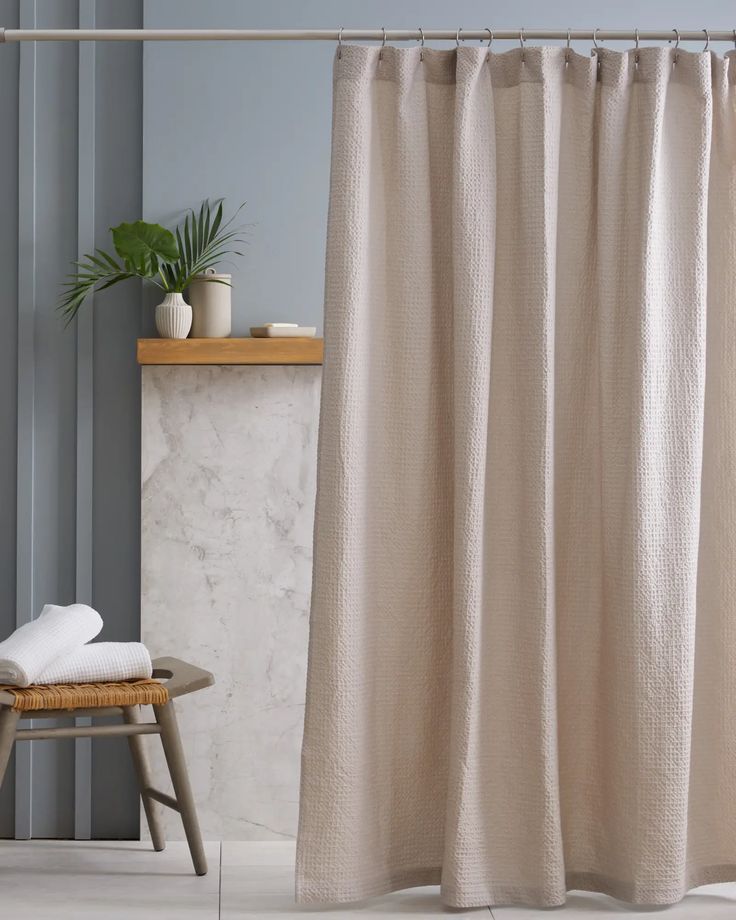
(88, 696)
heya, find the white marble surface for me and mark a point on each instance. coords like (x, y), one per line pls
(228, 480)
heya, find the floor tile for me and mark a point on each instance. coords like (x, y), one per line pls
(259, 853)
(711, 902)
(253, 885)
(126, 880)
(117, 880)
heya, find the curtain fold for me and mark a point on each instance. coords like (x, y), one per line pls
(522, 664)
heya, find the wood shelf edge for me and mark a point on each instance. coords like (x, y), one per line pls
(230, 351)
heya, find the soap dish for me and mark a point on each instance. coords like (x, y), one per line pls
(283, 332)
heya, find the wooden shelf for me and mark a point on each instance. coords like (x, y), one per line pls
(230, 351)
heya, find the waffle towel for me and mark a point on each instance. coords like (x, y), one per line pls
(26, 654)
(100, 662)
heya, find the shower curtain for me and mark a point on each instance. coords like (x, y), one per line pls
(522, 668)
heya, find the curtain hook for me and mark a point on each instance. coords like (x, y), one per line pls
(490, 42)
(595, 52)
(421, 51)
(457, 38)
(383, 43)
(339, 43)
(677, 44)
(636, 56)
(522, 42)
(567, 52)
(734, 38)
(707, 39)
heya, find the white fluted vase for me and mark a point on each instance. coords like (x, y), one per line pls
(173, 317)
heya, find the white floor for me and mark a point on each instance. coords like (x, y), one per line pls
(52, 880)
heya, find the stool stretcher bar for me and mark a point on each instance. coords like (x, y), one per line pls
(89, 731)
(163, 798)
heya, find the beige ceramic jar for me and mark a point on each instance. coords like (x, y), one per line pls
(211, 306)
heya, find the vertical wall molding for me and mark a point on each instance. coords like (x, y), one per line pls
(85, 389)
(25, 599)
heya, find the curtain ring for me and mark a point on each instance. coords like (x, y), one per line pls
(677, 44)
(595, 52)
(567, 52)
(383, 43)
(421, 48)
(637, 55)
(734, 38)
(707, 39)
(522, 42)
(490, 42)
(457, 38)
(339, 43)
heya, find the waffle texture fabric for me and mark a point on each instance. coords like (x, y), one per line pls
(522, 668)
(99, 662)
(55, 633)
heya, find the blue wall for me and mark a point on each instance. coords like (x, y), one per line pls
(93, 135)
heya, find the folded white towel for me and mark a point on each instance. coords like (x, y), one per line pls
(56, 632)
(99, 662)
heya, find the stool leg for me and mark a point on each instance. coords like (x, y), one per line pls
(132, 715)
(8, 721)
(171, 741)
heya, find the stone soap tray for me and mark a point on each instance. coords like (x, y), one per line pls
(283, 332)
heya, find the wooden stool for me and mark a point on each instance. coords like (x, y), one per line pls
(125, 699)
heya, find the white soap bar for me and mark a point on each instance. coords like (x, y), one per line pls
(283, 332)
(281, 325)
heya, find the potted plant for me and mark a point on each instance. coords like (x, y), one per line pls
(169, 260)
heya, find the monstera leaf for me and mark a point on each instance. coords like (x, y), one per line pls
(143, 246)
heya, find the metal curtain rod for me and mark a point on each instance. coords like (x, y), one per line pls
(387, 35)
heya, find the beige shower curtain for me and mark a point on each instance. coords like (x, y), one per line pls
(522, 673)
